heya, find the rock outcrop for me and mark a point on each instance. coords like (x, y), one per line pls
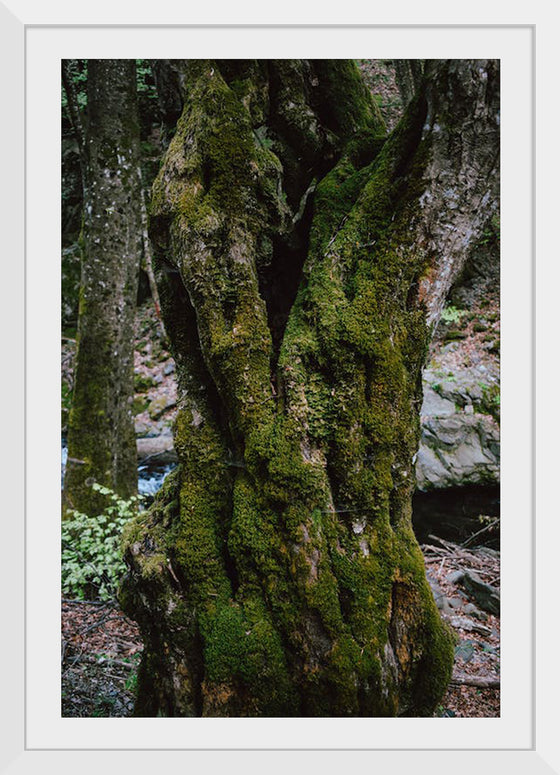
(460, 442)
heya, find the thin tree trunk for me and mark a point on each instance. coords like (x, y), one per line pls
(147, 264)
(408, 73)
(101, 440)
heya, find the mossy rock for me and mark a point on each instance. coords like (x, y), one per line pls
(454, 335)
(139, 405)
(143, 383)
(158, 406)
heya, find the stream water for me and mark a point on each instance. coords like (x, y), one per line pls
(150, 478)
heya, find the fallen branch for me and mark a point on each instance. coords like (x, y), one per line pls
(447, 544)
(429, 549)
(106, 618)
(101, 661)
(485, 529)
(101, 603)
(482, 682)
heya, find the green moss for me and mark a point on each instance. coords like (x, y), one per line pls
(454, 335)
(143, 383)
(297, 566)
(490, 403)
(350, 316)
(244, 649)
(139, 405)
(348, 105)
(254, 539)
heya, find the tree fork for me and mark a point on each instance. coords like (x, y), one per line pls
(277, 574)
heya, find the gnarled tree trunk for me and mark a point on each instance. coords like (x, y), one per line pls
(101, 439)
(304, 259)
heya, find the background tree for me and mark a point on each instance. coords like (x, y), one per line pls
(408, 74)
(304, 260)
(101, 440)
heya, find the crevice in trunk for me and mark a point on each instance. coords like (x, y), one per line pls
(185, 343)
(231, 569)
(279, 280)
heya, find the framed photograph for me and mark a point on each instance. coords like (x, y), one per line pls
(35, 40)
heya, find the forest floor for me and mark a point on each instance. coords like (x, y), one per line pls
(379, 76)
(101, 647)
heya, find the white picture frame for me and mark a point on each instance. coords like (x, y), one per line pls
(33, 736)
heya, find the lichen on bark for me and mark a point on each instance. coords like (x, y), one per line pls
(101, 439)
(284, 540)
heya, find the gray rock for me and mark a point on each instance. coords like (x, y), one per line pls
(486, 596)
(436, 406)
(459, 445)
(465, 650)
(441, 601)
(457, 450)
(455, 576)
(144, 428)
(156, 449)
(472, 610)
(462, 623)
(160, 404)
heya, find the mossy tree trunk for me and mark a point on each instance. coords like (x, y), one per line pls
(304, 258)
(101, 439)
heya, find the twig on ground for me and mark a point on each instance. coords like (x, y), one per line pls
(99, 603)
(101, 661)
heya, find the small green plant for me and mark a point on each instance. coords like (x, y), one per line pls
(452, 315)
(66, 396)
(491, 233)
(131, 682)
(145, 83)
(92, 563)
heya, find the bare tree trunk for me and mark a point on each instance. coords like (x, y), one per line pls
(408, 73)
(304, 259)
(101, 440)
(147, 264)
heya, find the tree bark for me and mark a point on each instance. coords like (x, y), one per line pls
(101, 440)
(303, 261)
(147, 264)
(408, 73)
